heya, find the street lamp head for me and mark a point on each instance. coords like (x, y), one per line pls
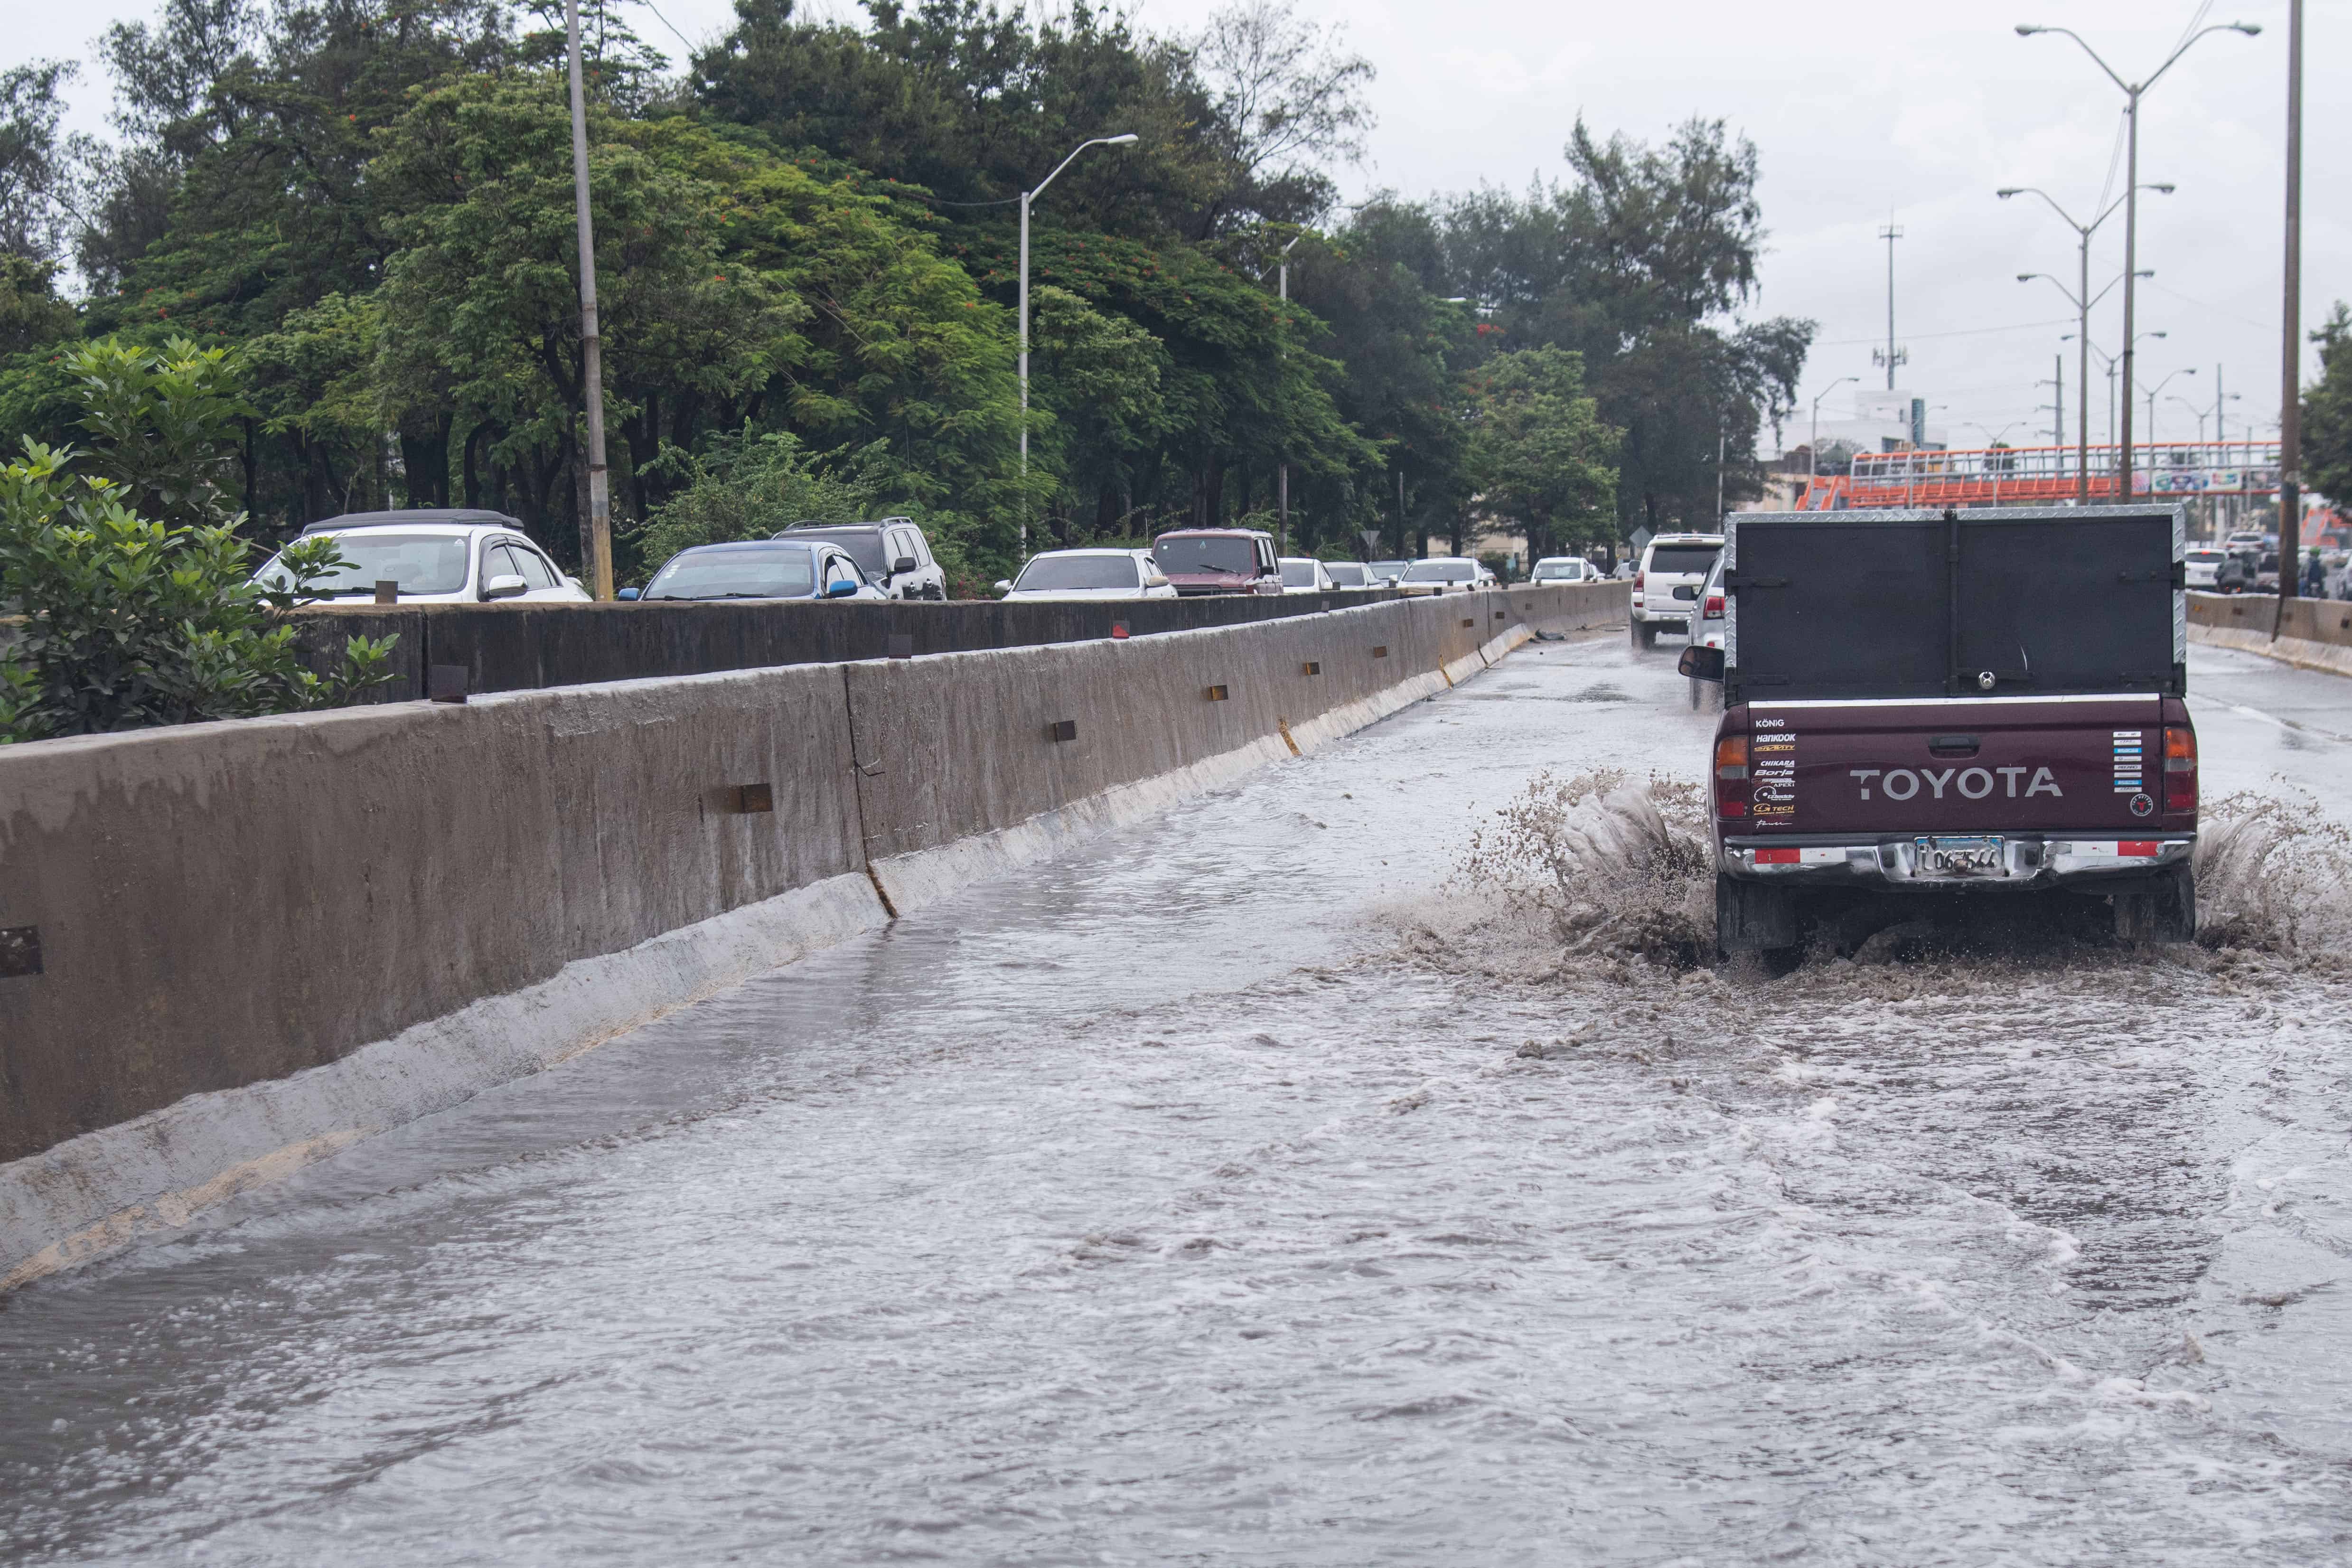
(2144, 272)
(2010, 190)
(2027, 277)
(2027, 29)
(2163, 190)
(1126, 140)
(2251, 29)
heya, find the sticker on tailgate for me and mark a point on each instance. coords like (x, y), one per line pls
(1773, 758)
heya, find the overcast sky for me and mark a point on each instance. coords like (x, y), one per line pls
(1863, 114)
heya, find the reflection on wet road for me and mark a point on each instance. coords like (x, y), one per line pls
(1190, 1201)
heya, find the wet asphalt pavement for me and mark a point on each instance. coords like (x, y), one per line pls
(1189, 1200)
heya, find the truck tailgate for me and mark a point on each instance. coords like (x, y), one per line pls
(1992, 765)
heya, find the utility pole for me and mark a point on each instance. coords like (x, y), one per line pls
(599, 551)
(2057, 407)
(1893, 356)
(2290, 347)
(1282, 469)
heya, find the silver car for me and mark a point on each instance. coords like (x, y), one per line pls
(432, 557)
(1105, 574)
(760, 569)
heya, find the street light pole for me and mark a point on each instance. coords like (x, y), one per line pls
(592, 343)
(2133, 92)
(1813, 450)
(1026, 197)
(2150, 393)
(2083, 301)
(2291, 321)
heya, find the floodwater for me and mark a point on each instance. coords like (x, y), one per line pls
(1189, 1200)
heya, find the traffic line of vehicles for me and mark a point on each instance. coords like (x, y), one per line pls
(1905, 711)
(464, 556)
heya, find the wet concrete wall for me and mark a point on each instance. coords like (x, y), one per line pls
(2312, 620)
(186, 912)
(517, 647)
(221, 903)
(2310, 634)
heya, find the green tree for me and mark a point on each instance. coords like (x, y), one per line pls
(2327, 412)
(744, 484)
(163, 422)
(1540, 451)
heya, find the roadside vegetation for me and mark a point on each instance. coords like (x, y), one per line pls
(808, 260)
(123, 573)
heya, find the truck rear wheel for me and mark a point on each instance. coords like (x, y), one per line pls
(2165, 911)
(1753, 917)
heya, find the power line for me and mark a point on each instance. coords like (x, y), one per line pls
(1960, 333)
(665, 22)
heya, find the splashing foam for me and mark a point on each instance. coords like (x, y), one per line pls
(1603, 866)
(2275, 875)
(1596, 866)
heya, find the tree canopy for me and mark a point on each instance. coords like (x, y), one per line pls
(808, 266)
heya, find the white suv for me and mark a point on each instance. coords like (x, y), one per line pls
(893, 553)
(434, 556)
(1669, 562)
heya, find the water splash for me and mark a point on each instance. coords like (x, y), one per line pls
(2275, 875)
(1611, 867)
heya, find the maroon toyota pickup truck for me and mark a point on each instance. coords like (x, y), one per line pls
(1990, 702)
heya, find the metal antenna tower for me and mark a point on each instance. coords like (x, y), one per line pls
(1891, 356)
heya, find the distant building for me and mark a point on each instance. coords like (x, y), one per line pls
(1882, 421)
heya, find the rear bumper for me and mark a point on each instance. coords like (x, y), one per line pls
(2027, 861)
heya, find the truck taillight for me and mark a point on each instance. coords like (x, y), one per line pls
(2180, 768)
(1731, 757)
(1714, 611)
(1637, 581)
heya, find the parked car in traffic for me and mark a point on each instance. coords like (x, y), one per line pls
(1669, 562)
(437, 555)
(1353, 575)
(1388, 571)
(1554, 569)
(1304, 575)
(780, 568)
(892, 554)
(1218, 561)
(1089, 575)
(2202, 564)
(1441, 572)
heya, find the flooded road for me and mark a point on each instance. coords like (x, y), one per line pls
(1192, 1200)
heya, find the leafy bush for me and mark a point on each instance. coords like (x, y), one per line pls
(124, 620)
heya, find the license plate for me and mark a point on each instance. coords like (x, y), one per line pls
(1979, 857)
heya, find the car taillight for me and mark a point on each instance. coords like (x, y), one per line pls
(2180, 768)
(1637, 581)
(1730, 769)
(1715, 606)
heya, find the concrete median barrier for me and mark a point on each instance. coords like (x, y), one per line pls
(227, 950)
(2310, 634)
